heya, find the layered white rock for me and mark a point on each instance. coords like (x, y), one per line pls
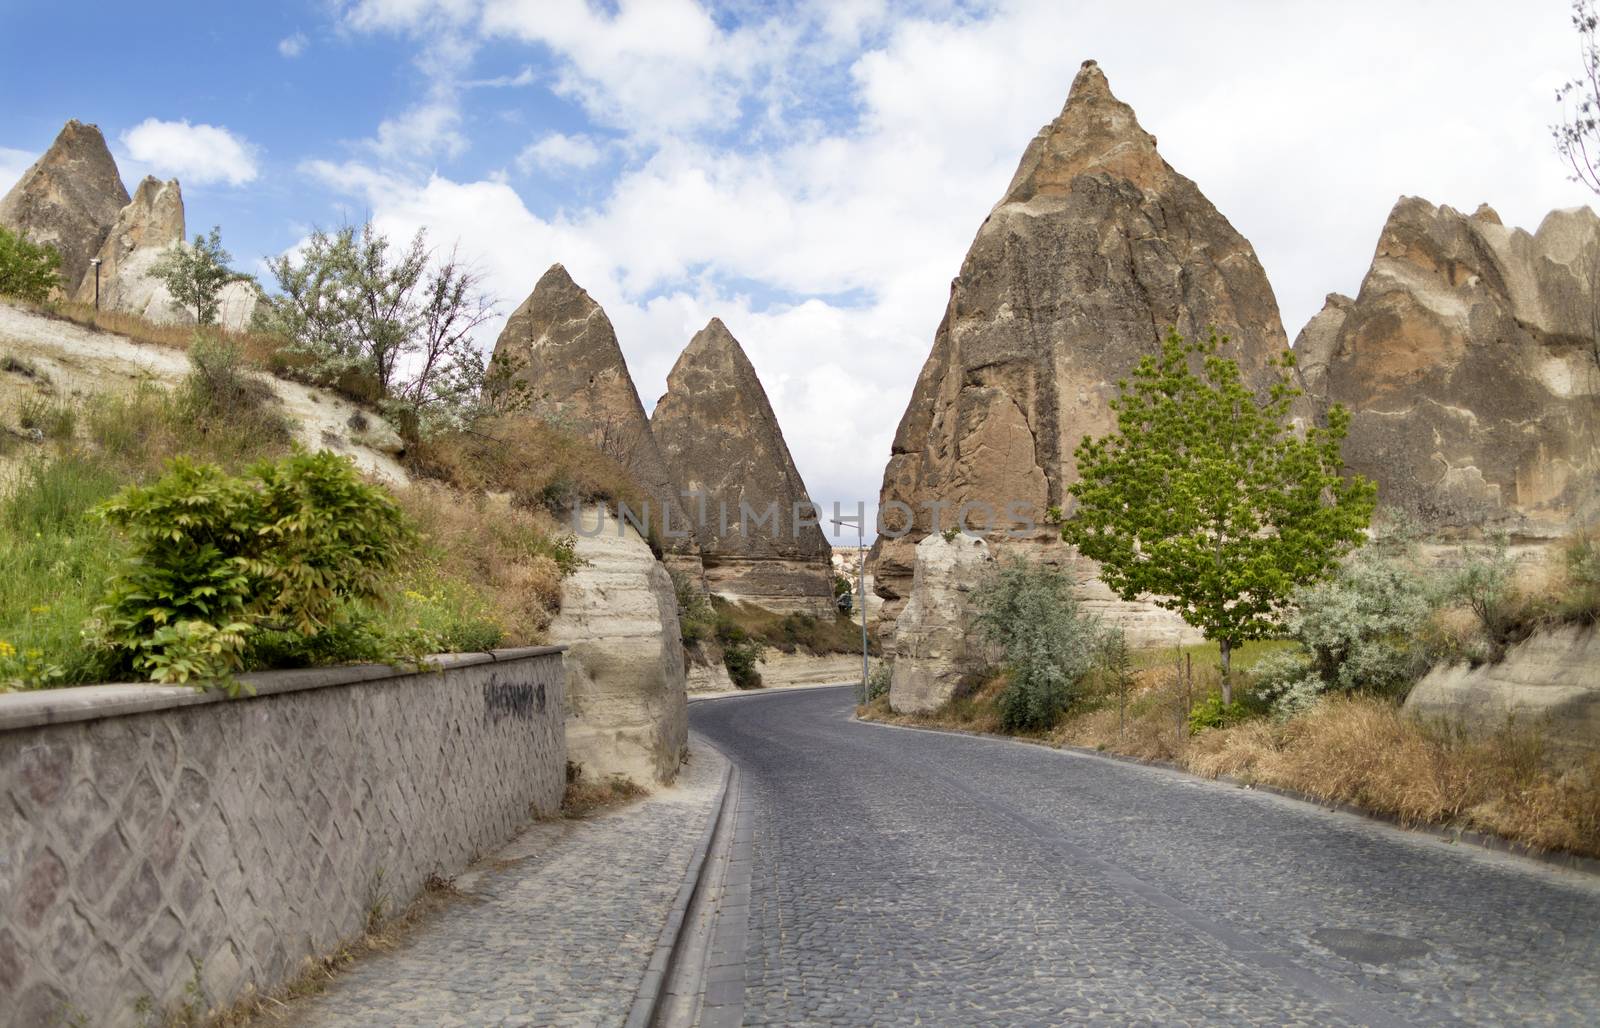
(933, 637)
(627, 710)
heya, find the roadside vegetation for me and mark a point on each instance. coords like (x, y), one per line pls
(738, 635)
(178, 535)
(1313, 646)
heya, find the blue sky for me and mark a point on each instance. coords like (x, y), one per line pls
(810, 172)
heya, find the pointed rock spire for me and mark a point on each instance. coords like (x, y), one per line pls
(719, 435)
(1097, 246)
(69, 198)
(151, 222)
(562, 346)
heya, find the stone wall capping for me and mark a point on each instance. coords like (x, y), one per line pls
(118, 699)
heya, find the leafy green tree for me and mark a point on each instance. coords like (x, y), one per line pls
(1031, 614)
(402, 317)
(1207, 498)
(28, 270)
(195, 274)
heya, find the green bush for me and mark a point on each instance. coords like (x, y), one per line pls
(1580, 599)
(1362, 627)
(1031, 614)
(741, 652)
(291, 548)
(1483, 582)
(28, 271)
(697, 619)
(878, 681)
(1212, 712)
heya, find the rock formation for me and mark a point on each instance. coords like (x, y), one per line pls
(722, 441)
(565, 353)
(1096, 248)
(627, 711)
(1470, 364)
(1550, 682)
(150, 223)
(69, 198)
(934, 646)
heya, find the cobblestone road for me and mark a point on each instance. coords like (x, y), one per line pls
(903, 877)
(555, 929)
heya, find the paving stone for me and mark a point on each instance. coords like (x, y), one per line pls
(557, 928)
(906, 877)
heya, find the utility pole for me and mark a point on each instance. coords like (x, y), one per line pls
(96, 262)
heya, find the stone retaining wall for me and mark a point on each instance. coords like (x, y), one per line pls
(147, 828)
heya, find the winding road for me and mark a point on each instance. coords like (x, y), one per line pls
(898, 876)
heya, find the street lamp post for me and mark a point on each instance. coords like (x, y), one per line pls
(96, 262)
(861, 586)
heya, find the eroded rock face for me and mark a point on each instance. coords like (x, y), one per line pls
(627, 710)
(69, 198)
(1469, 363)
(933, 637)
(563, 347)
(1096, 248)
(150, 223)
(719, 435)
(1550, 682)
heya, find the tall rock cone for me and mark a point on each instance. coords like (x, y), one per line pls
(151, 222)
(1096, 248)
(562, 347)
(1470, 366)
(720, 437)
(69, 198)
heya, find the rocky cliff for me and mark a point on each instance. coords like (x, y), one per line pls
(719, 436)
(934, 640)
(69, 198)
(565, 354)
(1096, 248)
(150, 223)
(627, 710)
(1469, 363)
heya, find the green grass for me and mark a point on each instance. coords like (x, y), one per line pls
(789, 633)
(57, 557)
(1206, 655)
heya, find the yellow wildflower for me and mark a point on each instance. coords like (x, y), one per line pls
(6, 649)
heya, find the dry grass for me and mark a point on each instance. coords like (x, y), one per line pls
(538, 464)
(515, 559)
(263, 350)
(789, 633)
(585, 798)
(1361, 750)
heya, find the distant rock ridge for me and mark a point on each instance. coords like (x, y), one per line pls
(1096, 248)
(69, 198)
(719, 435)
(565, 351)
(1469, 361)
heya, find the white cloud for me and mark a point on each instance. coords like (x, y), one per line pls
(196, 154)
(421, 133)
(12, 164)
(293, 46)
(558, 152)
(856, 220)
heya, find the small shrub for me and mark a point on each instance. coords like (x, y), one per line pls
(51, 419)
(1579, 601)
(1287, 683)
(1031, 614)
(697, 619)
(1212, 712)
(28, 270)
(740, 655)
(878, 681)
(290, 548)
(1484, 584)
(1362, 628)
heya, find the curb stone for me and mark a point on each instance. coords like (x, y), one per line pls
(1492, 843)
(647, 1000)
